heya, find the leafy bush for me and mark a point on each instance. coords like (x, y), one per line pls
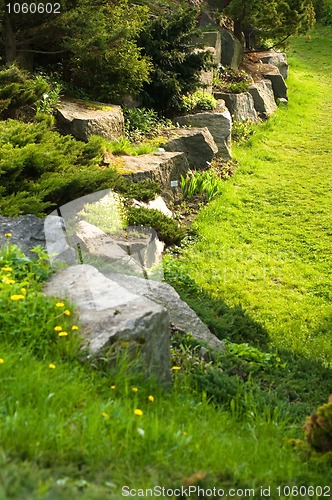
(242, 130)
(50, 98)
(198, 101)
(166, 228)
(203, 183)
(142, 191)
(140, 120)
(230, 80)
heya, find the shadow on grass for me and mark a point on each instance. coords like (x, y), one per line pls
(294, 385)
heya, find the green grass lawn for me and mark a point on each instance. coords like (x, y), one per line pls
(265, 244)
(259, 274)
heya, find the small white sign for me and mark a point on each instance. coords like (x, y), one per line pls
(174, 184)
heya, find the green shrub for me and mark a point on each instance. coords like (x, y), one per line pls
(166, 228)
(142, 191)
(242, 130)
(140, 120)
(318, 428)
(40, 169)
(18, 89)
(198, 101)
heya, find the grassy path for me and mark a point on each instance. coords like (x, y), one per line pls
(266, 244)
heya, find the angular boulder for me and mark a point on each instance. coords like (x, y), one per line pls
(163, 167)
(83, 119)
(219, 124)
(27, 232)
(279, 86)
(263, 97)
(56, 240)
(196, 143)
(231, 49)
(241, 106)
(182, 317)
(278, 59)
(136, 250)
(116, 321)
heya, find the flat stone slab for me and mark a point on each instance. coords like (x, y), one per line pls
(82, 120)
(263, 97)
(114, 317)
(163, 167)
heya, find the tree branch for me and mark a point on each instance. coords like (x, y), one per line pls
(43, 51)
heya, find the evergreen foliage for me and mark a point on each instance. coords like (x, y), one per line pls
(168, 42)
(18, 89)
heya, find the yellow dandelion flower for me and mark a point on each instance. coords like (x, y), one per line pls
(151, 398)
(105, 415)
(8, 235)
(1, 361)
(134, 389)
(138, 412)
(113, 387)
(8, 281)
(17, 297)
(74, 327)
(6, 269)
(66, 312)
(59, 304)
(52, 366)
(62, 334)
(58, 328)
(176, 368)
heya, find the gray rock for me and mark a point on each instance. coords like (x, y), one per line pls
(56, 240)
(231, 49)
(182, 317)
(82, 120)
(164, 167)
(278, 59)
(219, 124)
(241, 106)
(116, 321)
(279, 86)
(27, 232)
(135, 251)
(196, 143)
(263, 96)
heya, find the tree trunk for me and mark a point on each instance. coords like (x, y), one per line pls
(10, 41)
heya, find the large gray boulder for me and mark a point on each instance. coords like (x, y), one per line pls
(263, 97)
(279, 86)
(116, 321)
(163, 167)
(135, 250)
(278, 59)
(27, 232)
(231, 49)
(219, 124)
(241, 106)
(83, 119)
(196, 143)
(182, 317)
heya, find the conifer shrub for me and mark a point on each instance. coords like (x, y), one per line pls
(18, 89)
(167, 229)
(318, 428)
